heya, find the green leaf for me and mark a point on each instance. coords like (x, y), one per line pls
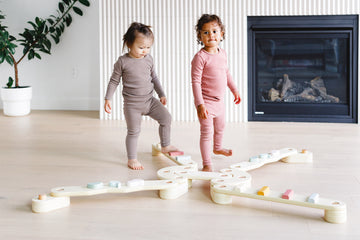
(37, 55)
(68, 20)
(50, 21)
(11, 38)
(41, 28)
(38, 21)
(32, 24)
(56, 38)
(6, 35)
(85, 2)
(67, 2)
(12, 47)
(27, 34)
(58, 31)
(47, 44)
(26, 48)
(2, 57)
(45, 51)
(78, 11)
(10, 82)
(61, 7)
(31, 54)
(9, 60)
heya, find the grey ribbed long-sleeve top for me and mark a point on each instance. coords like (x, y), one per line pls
(138, 79)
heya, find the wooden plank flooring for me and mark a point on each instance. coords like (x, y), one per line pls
(49, 149)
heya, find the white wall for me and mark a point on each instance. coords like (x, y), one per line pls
(173, 23)
(68, 79)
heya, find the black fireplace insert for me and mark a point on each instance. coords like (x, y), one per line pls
(303, 68)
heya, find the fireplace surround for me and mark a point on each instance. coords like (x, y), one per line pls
(303, 68)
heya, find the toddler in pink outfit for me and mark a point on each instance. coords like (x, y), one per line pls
(210, 76)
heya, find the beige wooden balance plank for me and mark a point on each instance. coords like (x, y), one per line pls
(60, 196)
(334, 210)
(229, 182)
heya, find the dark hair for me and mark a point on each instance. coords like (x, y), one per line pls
(133, 30)
(206, 18)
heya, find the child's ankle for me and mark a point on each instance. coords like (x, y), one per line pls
(168, 148)
(135, 164)
(223, 151)
(207, 168)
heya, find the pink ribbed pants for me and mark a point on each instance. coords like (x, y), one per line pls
(212, 128)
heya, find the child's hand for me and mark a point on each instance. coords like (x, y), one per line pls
(107, 106)
(202, 111)
(163, 100)
(237, 98)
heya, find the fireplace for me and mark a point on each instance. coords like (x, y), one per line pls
(303, 68)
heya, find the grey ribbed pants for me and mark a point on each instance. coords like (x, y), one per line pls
(134, 111)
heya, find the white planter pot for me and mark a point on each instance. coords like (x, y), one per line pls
(16, 101)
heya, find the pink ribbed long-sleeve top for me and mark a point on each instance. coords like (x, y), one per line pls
(210, 75)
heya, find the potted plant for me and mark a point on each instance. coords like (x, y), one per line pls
(34, 40)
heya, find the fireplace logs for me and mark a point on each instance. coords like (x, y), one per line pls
(286, 90)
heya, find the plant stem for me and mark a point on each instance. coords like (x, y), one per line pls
(15, 69)
(16, 75)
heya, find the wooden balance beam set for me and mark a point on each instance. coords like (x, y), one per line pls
(176, 180)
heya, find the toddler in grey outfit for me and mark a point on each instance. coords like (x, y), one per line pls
(139, 81)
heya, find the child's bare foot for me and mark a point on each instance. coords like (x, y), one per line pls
(168, 149)
(207, 168)
(225, 152)
(135, 164)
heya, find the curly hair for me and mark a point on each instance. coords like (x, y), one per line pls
(206, 18)
(135, 28)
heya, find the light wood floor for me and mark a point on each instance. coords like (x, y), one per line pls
(49, 149)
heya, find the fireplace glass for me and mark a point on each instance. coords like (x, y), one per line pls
(297, 68)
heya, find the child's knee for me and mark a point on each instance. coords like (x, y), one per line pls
(219, 131)
(166, 119)
(206, 132)
(134, 132)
